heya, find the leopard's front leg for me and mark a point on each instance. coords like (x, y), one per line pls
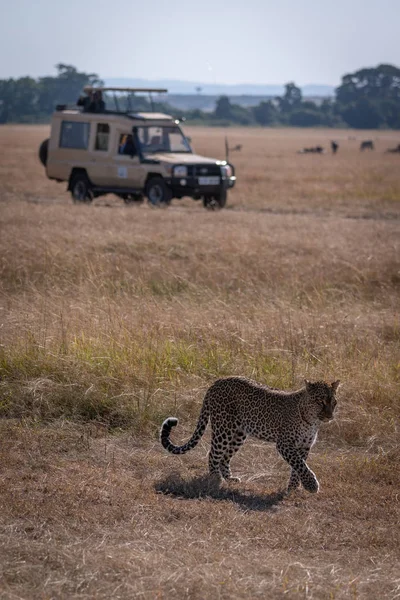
(296, 458)
(294, 480)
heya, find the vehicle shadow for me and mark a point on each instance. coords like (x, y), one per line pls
(206, 487)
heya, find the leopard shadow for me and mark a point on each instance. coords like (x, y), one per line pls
(207, 487)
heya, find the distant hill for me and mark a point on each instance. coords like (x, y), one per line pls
(215, 89)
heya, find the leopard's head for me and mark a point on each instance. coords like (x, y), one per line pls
(323, 397)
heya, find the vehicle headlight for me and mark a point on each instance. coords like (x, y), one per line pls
(180, 171)
(226, 171)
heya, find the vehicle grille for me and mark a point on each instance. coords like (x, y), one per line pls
(203, 170)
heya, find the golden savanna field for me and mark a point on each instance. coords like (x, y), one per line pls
(114, 317)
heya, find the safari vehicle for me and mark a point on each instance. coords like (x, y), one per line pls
(130, 154)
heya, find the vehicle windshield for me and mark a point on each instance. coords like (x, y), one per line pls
(166, 138)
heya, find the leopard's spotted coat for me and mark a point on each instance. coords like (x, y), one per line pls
(238, 407)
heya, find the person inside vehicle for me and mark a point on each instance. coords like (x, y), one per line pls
(92, 102)
(98, 102)
(122, 144)
(127, 146)
(86, 102)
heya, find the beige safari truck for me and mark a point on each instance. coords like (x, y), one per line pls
(99, 151)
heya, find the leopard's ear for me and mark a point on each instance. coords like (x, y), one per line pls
(335, 385)
(307, 382)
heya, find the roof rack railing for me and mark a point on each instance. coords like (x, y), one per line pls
(92, 88)
(130, 90)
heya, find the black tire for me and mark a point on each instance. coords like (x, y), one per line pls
(158, 193)
(43, 152)
(81, 190)
(215, 202)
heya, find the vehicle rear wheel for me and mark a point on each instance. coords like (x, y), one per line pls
(43, 151)
(215, 202)
(158, 193)
(81, 190)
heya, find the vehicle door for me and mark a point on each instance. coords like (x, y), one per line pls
(127, 170)
(100, 154)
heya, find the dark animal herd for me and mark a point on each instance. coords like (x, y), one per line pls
(365, 145)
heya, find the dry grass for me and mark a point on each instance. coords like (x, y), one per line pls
(113, 317)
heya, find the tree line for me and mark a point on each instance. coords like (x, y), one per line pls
(28, 100)
(366, 99)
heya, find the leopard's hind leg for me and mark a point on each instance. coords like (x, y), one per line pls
(235, 444)
(219, 446)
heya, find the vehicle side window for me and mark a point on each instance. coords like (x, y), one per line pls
(102, 137)
(126, 145)
(74, 135)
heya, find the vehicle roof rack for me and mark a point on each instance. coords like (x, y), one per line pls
(90, 88)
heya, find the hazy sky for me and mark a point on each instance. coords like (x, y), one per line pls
(253, 41)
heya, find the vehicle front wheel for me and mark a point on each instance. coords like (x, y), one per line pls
(215, 202)
(81, 190)
(158, 193)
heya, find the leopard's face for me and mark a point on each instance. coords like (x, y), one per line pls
(323, 398)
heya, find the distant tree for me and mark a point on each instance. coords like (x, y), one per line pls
(327, 107)
(6, 99)
(242, 115)
(291, 99)
(18, 99)
(362, 114)
(65, 87)
(223, 109)
(382, 82)
(390, 113)
(370, 97)
(305, 117)
(309, 105)
(196, 114)
(329, 115)
(265, 113)
(227, 112)
(27, 99)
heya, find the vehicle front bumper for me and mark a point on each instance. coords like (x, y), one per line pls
(189, 186)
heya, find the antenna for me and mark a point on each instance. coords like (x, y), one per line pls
(151, 101)
(226, 149)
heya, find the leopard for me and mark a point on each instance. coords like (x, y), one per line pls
(238, 408)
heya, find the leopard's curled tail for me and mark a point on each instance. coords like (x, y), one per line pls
(194, 440)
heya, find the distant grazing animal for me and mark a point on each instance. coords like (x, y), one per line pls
(394, 150)
(334, 147)
(367, 145)
(236, 148)
(312, 149)
(238, 407)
